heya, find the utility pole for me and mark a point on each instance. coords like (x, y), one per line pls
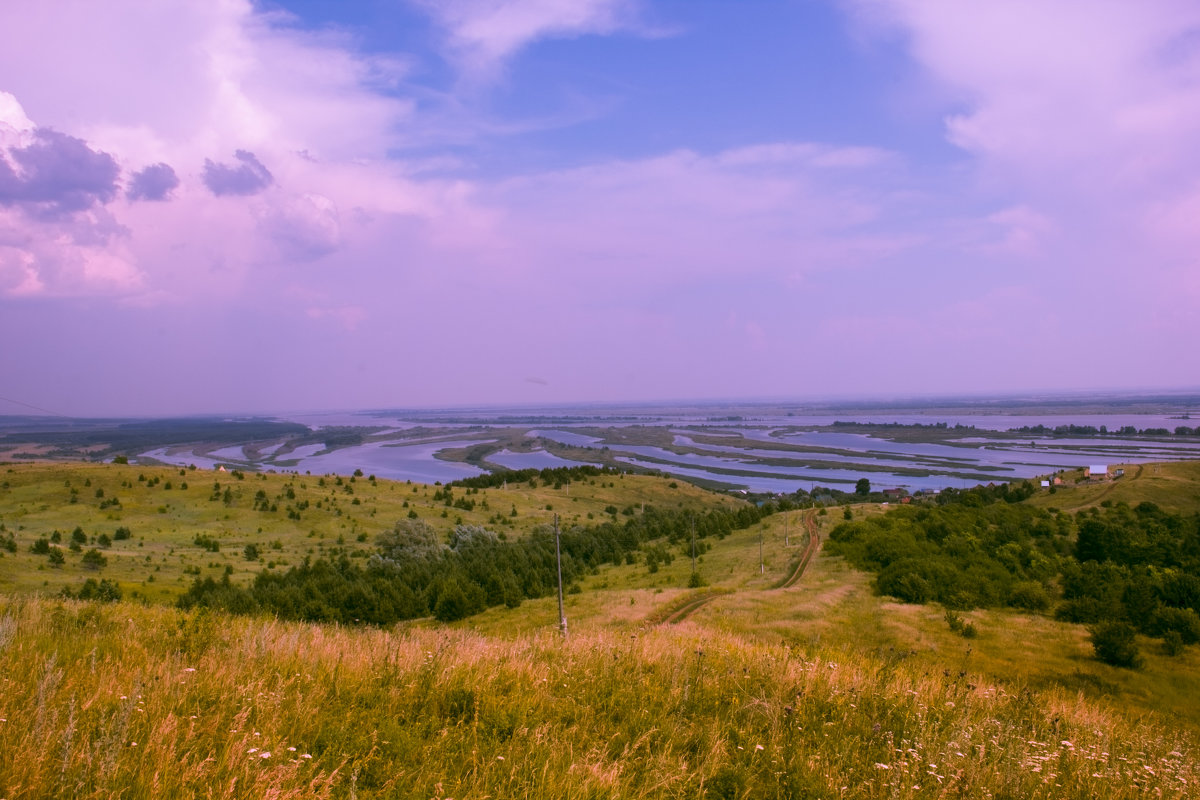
(693, 545)
(562, 614)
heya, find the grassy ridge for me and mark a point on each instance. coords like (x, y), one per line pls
(141, 702)
(1172, 485)
(335, 516)
(847, 694)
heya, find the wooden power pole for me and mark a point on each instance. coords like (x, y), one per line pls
(562, 614)
(761, 565)
(693, 545)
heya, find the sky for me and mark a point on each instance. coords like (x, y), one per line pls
(227, 206)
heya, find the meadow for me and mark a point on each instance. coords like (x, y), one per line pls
(821, 689)
(188, 523)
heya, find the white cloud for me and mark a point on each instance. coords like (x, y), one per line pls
(1081, 118)
(483, 34)
(182, 87)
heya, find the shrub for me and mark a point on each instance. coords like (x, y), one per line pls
(93, 559)
(1115, 643)
(104, 590)
(451, 604)
(1029, 595)
(1181, 621)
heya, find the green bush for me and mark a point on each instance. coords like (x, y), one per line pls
(1029, 595)
(1183, 622)
(1115, 643)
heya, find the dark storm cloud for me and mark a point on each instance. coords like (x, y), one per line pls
(245, 178)
(56, 174)
(155, 182)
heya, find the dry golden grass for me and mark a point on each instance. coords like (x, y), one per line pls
(135, 702)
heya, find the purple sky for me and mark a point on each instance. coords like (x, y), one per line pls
(233, 206)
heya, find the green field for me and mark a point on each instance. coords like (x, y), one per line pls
(335, 515)
(822, 689)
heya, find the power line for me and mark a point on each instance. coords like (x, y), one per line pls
(35, 408)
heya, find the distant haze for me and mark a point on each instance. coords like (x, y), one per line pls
(295, 204)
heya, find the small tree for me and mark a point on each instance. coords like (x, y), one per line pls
(863, 487)
(251, 552)
(1115, 643)
(57, 559)
(451, 603)
(93, 559)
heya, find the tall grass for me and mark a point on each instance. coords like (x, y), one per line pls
(138, 702)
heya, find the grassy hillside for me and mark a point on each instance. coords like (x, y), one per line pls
(143, 702)
(1172, 485)
(818, 690)
(165, 509)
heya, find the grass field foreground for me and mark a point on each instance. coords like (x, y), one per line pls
(139, 702)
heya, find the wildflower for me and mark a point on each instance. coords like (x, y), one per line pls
(306, 755)
(882, 766)
(291, 749)
(252, 750)
(189, 669)
(499, 758)
(133, 744)
(265, 754)
(758, 747)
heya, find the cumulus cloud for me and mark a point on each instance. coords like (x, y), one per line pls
(247, 177)
(304, 227)
(155, 182)
(56, 174)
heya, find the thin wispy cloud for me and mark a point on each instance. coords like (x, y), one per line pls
(481, 35)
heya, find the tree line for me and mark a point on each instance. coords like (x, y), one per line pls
(1120, 569)
(413, 573)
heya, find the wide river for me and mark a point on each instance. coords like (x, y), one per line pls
(787, 459)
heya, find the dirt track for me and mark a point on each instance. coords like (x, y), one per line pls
(814, 539)
(810, 548)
